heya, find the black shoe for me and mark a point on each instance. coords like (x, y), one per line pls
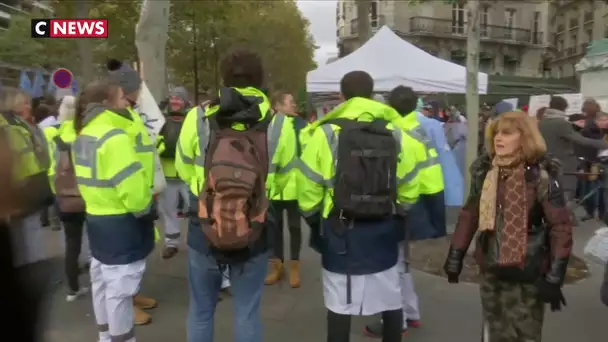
(375, 330)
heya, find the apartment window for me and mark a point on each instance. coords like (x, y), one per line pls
(536, 28)
(484, 21)
(509, 22)
(458, 18)
(589, 33)
(573, 39)
(374, 14)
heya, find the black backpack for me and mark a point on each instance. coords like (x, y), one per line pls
(170, 132)
(365, 186)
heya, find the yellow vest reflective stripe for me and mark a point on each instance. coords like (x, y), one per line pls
(274, 134)
(85, 157)
(432, 158)
(30, 146)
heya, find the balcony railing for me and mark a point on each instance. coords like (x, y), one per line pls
(374, 23)
(446, 27)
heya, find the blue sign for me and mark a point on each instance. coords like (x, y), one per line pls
(62, 78)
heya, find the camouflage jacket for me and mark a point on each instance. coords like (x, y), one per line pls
(549, 222)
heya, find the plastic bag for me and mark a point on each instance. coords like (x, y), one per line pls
(597, 247)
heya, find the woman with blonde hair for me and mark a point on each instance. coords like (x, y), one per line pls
(517, 210)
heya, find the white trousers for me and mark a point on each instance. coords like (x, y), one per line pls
(168, 201)
(409, 297)
(27, 237)
(113, 288)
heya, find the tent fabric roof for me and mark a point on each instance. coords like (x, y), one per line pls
(392, 61)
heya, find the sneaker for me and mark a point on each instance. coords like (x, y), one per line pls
(72, 296)
(375, 330)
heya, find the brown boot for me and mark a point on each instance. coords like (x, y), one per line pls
(143, 302)
(141, 317)
(275, 272)
(294, 273)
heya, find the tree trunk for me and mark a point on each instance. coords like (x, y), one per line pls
(363, 23)
(85, 52)
(472, 95)
(151, 41)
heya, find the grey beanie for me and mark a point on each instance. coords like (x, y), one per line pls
(180, 92)
(124, 75)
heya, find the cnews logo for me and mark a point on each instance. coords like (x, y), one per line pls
(69, 28)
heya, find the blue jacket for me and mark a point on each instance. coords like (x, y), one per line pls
(366, 248)
(120, 239)
(452, 178)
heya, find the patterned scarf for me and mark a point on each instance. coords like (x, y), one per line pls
(514, 233)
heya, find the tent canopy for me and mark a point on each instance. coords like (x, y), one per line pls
(392, 61)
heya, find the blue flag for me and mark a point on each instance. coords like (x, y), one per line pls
(38, 86)
(24, 82)
(75, 87)
(51, 88)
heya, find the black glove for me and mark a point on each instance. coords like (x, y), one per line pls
(551, 293)
(152, 215)
(316, 240)
(453, 265)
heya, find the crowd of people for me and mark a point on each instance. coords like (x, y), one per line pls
(367, 178)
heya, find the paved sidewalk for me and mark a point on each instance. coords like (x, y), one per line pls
(449, 312)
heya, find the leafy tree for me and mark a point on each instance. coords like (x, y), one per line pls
(16, 46)
(277, 32)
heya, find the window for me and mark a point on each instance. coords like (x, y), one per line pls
(509, 22)
(483, 24)
(458, 18)
(373, 14)
(536, 28)
(589, 35)
(573, 39)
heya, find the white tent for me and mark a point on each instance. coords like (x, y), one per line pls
(392, 61)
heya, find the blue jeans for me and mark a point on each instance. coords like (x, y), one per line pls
(204, 283)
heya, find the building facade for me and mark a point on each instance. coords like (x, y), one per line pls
(10, 7)
(575, 24)
(517, 38)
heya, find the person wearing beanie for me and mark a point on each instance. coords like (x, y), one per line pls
(130, 82)
(178, 105)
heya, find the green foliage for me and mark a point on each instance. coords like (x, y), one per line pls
(274, 29)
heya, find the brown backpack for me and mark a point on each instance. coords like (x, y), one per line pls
(66, 188)
(233, 202)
